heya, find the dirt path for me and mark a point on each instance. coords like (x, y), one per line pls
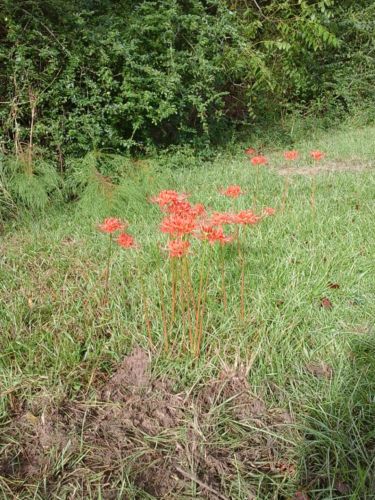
(342, 166)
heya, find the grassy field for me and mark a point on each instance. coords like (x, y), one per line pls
(280, 405)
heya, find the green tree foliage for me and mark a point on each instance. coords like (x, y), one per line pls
(349, 73)
(119, 75)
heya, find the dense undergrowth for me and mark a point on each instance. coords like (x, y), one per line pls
(129, 76)
(86, 87)
(102, 178)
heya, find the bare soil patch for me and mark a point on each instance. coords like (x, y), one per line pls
(169, 444)
(341, 166)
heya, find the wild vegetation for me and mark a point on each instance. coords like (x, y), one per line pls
(186, 249)
(276, 403)
(124, 78)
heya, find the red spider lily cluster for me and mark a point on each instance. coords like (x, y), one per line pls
(179, 224)
(258, 159)
(125, 240)
(168, 196)
(178, 248)
(250, 151)
(268, 211)
(112, 225)
(183, 220)
(291, 155)
(214, 234)
(317, 155)
(193, 230)
(185, 223)
(189, 227)
(232, 191)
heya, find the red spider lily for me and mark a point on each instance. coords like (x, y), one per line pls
(232, 191)
(125, 240)
(178, 248)
(250, 151)
(258, 160)
(198, 210)
(222, 218)
(111, 225)
(214, 235)
(247, 217)
(291, 155)
(317, 155)
(179, 207)
(268, 211)
(178, 224)
(168, 196)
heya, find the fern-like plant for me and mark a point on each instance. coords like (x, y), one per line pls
(7, 204)
(28, 182)
(105, 183)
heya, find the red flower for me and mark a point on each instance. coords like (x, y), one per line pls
(221, 218)
(250, 151)
(214, 235)
(178, 248)
(269, 211)
(317, 155)
(178, 224)
(198, 210)
(111, 225)
(125, 240)
(247, 217)
(232, 191)
(179, 207)
(168, 196)
(291, 155)
(258, 160)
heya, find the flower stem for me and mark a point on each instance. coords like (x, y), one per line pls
(285, 193)
(174, 292)
(256, 186)
(223, 288)
(106, 285)
(202, 313)
(190, 299)
(145, 307)
(199, 301)
(312, 198)
(163, 315)
(242, 279)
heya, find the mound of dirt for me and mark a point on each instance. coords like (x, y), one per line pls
(170, 445)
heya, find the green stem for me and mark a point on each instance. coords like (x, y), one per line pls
(145, 305)
(223, 288)
(199, 299)
(202, 306)
(163, 315)
(242, 281)
(106, 286)
(285, 193)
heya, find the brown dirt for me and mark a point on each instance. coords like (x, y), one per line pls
(323, 168)
(164, 441)
(320, 369)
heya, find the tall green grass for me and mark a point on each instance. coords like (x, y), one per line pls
(55, 334)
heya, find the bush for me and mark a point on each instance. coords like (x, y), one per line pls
(120, 76)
